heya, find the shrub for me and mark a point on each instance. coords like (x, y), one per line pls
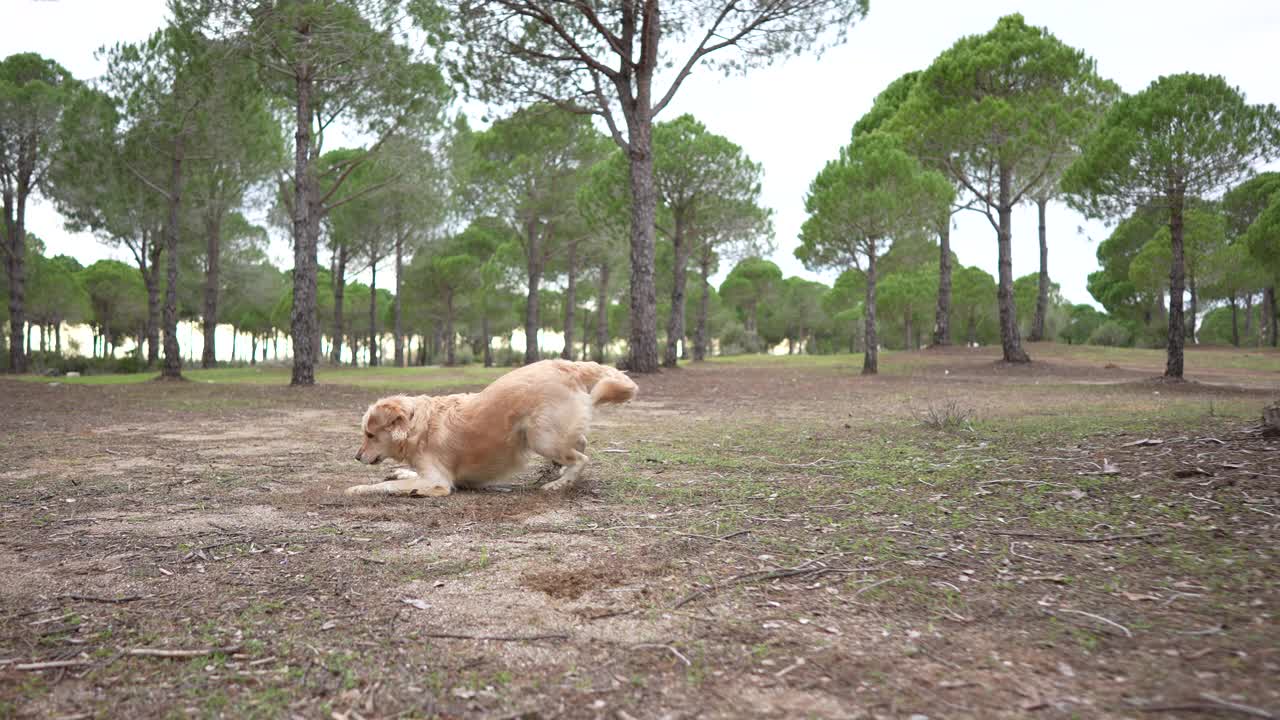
(735, 340)
(1111, 334)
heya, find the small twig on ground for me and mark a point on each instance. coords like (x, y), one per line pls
(497, 638)
(94, 598)
(1212, 704)
(820, 463)
(1059, 538)
(674, 651)
(167, 653)
(877, 583)
(806, 568)
(1022, 482)
(721, 538)
(1112, 623)
(50, 664)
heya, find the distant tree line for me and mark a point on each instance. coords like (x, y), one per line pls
(581, 213)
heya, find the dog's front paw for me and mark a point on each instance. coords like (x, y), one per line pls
(358, 489)
(555, 486)
(402, 474)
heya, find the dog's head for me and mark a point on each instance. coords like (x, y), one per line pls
(386, 430)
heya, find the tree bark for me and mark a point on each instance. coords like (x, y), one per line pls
(339, 295)
(208, 356)
(700, 333)
(1042, 297)
(151, 278)
(1248, 319)
(172, 367)
(488, 340)
(1272, 319)
(1177, 334)
(642, 353)
(675, 321)
(1235, 324)
(15, 264)
(942, 315)
(253, 349)
(303, 324)
(234, 336)
(1195, 308)
(57, 338)
(1010, 341)
(373, 314)
(907, 344)
(602, 314)
(533, 263)
(570, 300)
(871, 358)
(399, 326)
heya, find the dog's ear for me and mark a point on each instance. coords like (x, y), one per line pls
(391, 414)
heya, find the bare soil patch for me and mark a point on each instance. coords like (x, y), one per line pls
(773, 539)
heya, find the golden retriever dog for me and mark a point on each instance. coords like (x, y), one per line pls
(474, 439)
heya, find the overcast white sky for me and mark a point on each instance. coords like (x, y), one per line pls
(794, 116)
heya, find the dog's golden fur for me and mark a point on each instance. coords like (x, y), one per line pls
(473, 439)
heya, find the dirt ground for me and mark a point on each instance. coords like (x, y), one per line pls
(769, 537)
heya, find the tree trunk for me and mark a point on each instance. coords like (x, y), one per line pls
(339, 295)
(1010, 340)
(303, 324)
(602, 314)
(57, 338)
(1235, 323)
(570, 301)
(151, 278)
(1042, 297)
(700, 333)
(398, 330)
(533, 262)
(973, 330)
(450, 336)
(1272, 317)
(15, 264)
(1248, 319)
(942, 315)
(373, 314)
(642, 353)
(253, 349)
(1177, 334)
(235, 334)
(208, 356)
(172, 367)
(908, 345)
(1195, 308)
(488, 340)
(675, 320)
(871, 358)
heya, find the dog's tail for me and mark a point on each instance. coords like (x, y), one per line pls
(606, 384)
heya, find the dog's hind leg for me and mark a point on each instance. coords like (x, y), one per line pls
(570, 473)
(560, 437)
